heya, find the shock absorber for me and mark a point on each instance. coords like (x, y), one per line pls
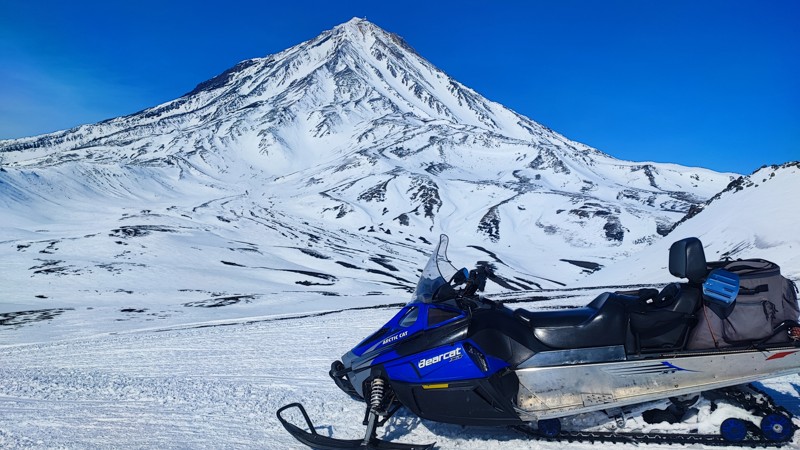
(376, 394)
(372, 421)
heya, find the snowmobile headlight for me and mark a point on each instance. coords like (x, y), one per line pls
(477, 357)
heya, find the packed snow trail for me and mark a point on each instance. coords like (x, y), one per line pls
(217, 387)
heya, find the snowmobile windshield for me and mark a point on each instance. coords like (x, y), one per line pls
(433, 285)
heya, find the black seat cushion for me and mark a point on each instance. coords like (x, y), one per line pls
(664, 322)
(603, 322)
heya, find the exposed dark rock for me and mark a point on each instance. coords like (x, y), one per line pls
(614, 230)
(490, 224)
(547, 159)
(588, 266)
(228, 263)
(20, 318)
(130, 231)
(425, 192)
(220, 301)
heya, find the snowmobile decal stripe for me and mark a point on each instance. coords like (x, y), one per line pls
(676, 368)
(662, 367)
(780, 355)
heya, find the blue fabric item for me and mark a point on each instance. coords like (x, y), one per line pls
(721, 287)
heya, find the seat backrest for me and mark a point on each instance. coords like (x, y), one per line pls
(687, 260)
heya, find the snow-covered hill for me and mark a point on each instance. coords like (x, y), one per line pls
(756, 216)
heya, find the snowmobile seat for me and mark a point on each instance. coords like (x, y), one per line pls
(638, 322)
(663, 323)
(601, 323)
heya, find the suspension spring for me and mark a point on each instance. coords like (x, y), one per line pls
(376, 395)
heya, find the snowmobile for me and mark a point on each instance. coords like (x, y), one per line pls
(453, 356)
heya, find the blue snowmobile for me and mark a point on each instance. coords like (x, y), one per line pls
(453, 356)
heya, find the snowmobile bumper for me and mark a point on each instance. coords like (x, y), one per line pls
(339, 376)
(314, 440)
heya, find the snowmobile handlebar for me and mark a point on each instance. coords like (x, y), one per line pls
(474, 280)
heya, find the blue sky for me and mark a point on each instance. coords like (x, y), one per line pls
(700, 83)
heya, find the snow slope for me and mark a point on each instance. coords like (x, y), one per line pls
(755, 217)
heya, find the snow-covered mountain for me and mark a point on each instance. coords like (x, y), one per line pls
(328, 168)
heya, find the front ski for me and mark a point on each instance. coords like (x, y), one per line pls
(315, 440)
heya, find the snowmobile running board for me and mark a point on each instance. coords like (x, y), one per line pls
(315, 440)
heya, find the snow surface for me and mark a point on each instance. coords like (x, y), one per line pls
(217, 384)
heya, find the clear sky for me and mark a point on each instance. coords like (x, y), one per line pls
(707, 83)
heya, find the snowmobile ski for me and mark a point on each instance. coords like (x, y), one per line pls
(317, 441)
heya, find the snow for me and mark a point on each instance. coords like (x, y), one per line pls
(217, 384)
(757, 221)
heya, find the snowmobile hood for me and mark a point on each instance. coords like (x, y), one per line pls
(405, 326)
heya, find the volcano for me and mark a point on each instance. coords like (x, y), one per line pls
(326, 169)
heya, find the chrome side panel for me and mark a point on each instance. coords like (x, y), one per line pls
(548, 392)
(575, 356)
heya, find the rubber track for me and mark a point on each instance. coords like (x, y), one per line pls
(749, 397)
